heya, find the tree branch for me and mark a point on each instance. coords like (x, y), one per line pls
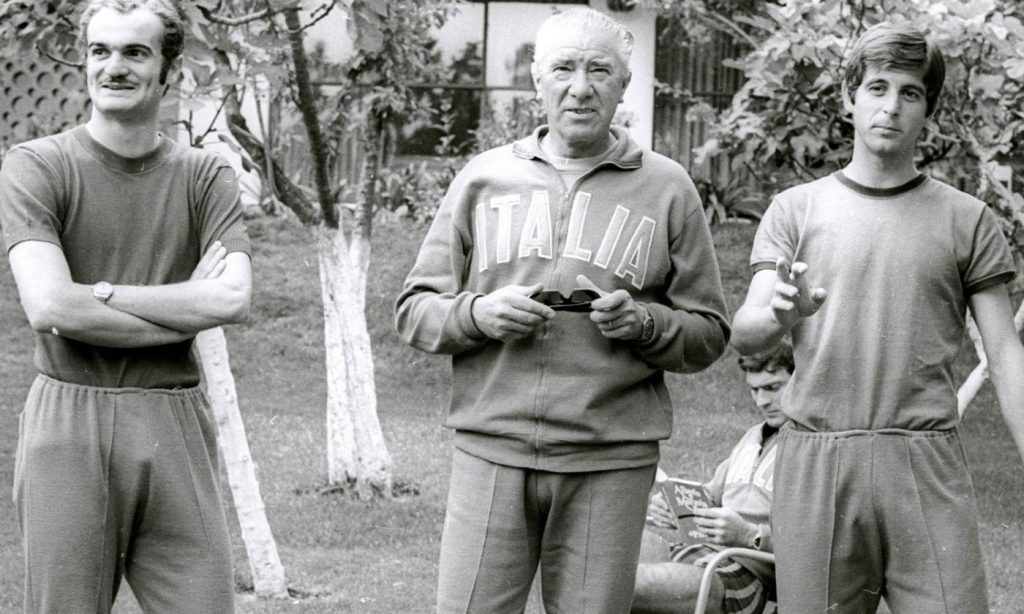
(727, 26)
(307, 107)
(39, 48)
(289, 193)
(220, 108)
(284, 188)
(326, 7)
(266, 13)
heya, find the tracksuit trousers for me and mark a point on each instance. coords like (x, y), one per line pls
(120, 482)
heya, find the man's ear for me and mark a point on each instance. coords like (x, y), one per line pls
(535, 73)
(625, 84)
(847, 99)
(171, 72)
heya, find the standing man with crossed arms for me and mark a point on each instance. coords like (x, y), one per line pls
(123, 245)
(874, 496)
(558, 413)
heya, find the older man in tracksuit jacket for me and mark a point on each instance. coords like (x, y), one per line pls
(557, 430)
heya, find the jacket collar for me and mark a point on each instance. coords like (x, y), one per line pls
(626, 155)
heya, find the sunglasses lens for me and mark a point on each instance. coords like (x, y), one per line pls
(579, 300)
(548, 297)
(583, 295)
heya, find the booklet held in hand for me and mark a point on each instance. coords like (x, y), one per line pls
(685, 496)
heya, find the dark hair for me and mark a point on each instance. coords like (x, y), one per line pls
(174, 24)
(778, 358)
(897, 47)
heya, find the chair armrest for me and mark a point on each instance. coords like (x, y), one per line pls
(738, 553)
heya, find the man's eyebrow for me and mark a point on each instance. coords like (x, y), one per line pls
(132, 46)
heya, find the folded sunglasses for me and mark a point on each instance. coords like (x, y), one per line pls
(578, 300)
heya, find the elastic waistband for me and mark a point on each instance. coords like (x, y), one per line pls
(49, 382)
(794, 430)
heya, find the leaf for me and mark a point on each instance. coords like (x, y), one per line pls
(365, 26)
(1014, 68)
(756, 21)
(988, 86)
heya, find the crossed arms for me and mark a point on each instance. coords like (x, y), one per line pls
(217, 293)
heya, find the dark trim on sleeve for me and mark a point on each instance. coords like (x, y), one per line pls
(27, 234)
(994, 280)
(757, 267)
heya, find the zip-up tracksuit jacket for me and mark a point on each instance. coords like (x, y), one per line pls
(566, 399)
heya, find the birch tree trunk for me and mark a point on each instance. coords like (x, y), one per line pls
(267, 572)
(969, 389)
(357, 454)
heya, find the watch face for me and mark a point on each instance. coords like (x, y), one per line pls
(102, 291)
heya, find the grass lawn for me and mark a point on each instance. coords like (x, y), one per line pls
(346, 555)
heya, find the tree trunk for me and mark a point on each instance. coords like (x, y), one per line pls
(357, 454)
(267, 572)
(969, 389)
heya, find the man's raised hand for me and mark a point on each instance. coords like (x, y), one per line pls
(509, 313)
(793, 299)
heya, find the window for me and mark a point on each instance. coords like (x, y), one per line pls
(486, 73)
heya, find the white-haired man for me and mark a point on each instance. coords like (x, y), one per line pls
(557, 418)
(123, 245)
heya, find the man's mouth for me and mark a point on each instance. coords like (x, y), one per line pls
(118, 86)
(581, 110)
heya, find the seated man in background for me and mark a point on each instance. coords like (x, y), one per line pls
(669, 574)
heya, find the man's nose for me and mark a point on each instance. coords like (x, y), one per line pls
(580, 85)
(891, 103)
(762, 398)
(115, 64)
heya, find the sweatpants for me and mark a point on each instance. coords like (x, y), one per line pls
(862, 515)
(120, 482)
(583, 529)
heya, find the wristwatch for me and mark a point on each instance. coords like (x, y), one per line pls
(647, 328)
(102, 291)
(755, 541)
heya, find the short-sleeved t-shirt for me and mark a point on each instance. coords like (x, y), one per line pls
(138, 221)
(899, 265)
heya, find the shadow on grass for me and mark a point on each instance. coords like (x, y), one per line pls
(399, 490)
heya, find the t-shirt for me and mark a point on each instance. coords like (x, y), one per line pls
(899, 265)
(134, 221)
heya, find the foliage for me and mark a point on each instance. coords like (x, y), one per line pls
(236, 47)
(458, 108)
(417, 189)
(694, 22)
(732, 198)
(786, 125)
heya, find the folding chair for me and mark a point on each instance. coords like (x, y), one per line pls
(736, 553)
